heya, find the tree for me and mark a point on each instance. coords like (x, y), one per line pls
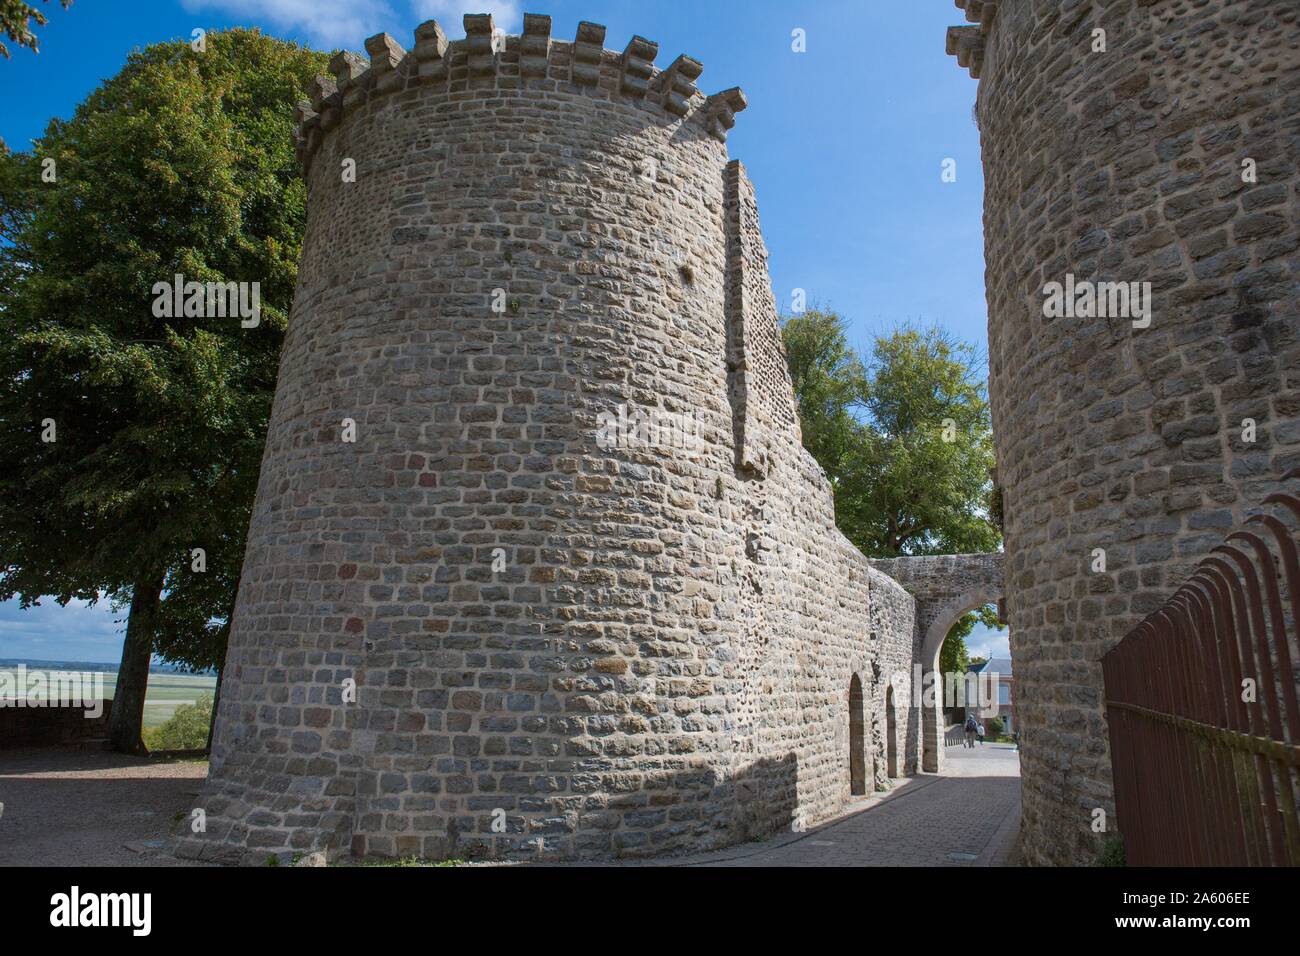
(15, 19)
(953, 655)
(829, 382)
(906, 440)
(186, 729)
(193, 627)
(135, 439)
(921, 479)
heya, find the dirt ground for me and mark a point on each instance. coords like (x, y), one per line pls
(91, 808)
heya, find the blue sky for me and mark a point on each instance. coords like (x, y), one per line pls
(844, 142)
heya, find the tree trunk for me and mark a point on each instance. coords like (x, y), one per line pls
(221, 670)
(126, 719)
(216, 705)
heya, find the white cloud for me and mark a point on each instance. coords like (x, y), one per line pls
(450, 14)
(346, 23)
(985, 642)
(78, 632)
(324, 23)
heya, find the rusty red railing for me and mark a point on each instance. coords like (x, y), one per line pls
(1201, 703)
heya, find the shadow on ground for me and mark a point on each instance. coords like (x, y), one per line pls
(91, 808)
(967, 816)
(75, 808)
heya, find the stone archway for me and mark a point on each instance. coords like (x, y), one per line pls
(945, 587)
(946, 615)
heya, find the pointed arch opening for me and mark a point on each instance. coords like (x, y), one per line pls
(891, 734)
(857, 740)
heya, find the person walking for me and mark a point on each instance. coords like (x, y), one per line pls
(970, 728)
(979, 732)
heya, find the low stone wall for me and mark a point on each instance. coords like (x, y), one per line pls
(50, 726)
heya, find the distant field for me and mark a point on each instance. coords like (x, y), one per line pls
(166, 691)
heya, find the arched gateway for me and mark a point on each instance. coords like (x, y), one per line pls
(857, 740)
(945, 587)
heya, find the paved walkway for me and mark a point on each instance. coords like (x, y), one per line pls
(969, 816)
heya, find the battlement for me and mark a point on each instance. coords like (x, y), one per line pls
(967, 43)
(488, 59)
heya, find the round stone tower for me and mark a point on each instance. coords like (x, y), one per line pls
(1153, 144)
(537, 563)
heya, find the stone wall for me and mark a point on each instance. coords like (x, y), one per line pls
(1129, 165)
(483, 611)
(60, 726)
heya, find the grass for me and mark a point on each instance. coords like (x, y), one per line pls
(166, 691)
(1112, 852)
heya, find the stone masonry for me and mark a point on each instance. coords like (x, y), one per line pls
(538, 566)
(1164, 150)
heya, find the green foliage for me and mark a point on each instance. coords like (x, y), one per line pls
(15, 21)
(1112, 852)
(986, 615)
(993, 727)
(905, 439)
(922, 476)
(953, 656)
(187, 729)
(181, 163)
(829, 382)
(995, 508)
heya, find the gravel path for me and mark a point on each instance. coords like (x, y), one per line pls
(86, 808)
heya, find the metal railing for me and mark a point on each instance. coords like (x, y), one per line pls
(1201, 703)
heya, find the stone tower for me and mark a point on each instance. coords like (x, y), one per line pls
(538, 564)
(1134, 141)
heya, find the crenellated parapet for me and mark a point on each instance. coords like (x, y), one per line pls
(967, 43)
(587, 52)
(487, 58)
(534, 45)
(979, 11)
(679, 84)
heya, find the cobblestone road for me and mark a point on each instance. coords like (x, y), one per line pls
(967, 817)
